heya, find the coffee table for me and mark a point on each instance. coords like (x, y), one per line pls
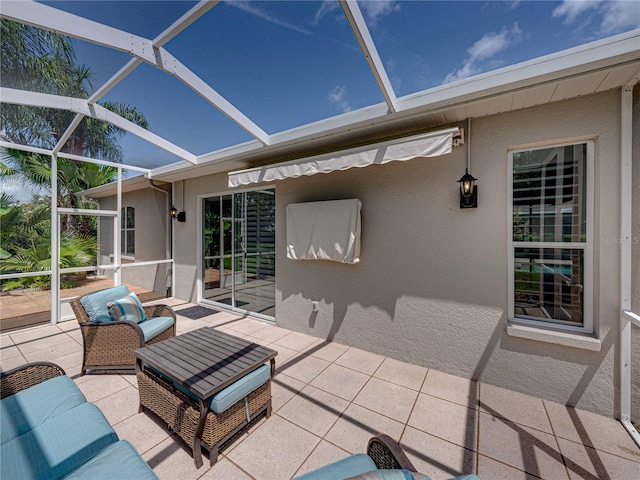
(203, 362)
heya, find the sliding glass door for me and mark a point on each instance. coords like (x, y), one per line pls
(239, 251)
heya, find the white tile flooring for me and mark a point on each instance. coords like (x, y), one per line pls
(329, 399)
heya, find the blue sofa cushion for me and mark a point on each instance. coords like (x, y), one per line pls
(127, 308)
(95, 304)
(58, 446)
(348, 467)
(152, 327)
(29, 408)
(389, 475)
(119, 460)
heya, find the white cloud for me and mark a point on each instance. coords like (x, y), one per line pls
(374, 10)
(620, 15)
(338, 97)
(485, 48)
(572, 9)
(327, 6)
(254, 10)
(614, 16)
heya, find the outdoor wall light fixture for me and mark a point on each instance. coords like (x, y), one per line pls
(180, 216)
(175, 214)
(468, 191)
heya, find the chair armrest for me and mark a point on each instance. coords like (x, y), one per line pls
(153, 311)
(25, 376)
(112, 332)
(387, 454)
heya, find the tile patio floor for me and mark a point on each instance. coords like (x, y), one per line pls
(328, 399)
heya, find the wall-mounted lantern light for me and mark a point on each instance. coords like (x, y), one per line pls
(173, 212)
(468, 191)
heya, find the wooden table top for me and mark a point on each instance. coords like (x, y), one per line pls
(205, 360)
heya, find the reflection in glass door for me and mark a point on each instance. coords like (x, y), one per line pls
(239, 251)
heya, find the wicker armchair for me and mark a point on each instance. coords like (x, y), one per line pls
(110, 345)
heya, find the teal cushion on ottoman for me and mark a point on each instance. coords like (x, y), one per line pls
(29, 408)
(95, 304)
(239, 389)
(119, 460)
(58, 446)
(152, 327)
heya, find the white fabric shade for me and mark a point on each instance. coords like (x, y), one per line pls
(327, 230)
(428, 145)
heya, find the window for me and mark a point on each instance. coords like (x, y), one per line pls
(127, 230)
(550, 240)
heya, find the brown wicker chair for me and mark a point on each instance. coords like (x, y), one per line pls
(110, 346)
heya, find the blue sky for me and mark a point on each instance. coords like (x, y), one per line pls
(285, 64)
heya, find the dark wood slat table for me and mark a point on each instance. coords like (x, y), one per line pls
(204, 361)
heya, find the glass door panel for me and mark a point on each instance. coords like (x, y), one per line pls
(239, 251)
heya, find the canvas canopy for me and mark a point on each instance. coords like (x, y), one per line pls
(431, 144)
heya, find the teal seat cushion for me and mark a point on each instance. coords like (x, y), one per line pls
(234, 392)
(95, 304)
(29, 408)
(127, 308)
(152, 327)
(239, 389)
(118, 460)
(389, 475)
(347, 467)
(58, 446)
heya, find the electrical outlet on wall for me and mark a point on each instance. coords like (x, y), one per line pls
(314, 306)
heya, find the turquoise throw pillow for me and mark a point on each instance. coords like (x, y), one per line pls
(127, 308)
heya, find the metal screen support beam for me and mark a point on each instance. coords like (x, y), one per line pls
(55, 243)
(117, 227)
(358, 25)
(49, 18)
(82, 107)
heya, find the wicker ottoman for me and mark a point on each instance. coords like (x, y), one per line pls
(182, 413)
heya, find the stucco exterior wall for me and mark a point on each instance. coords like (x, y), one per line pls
(151, 219)
(431, 287)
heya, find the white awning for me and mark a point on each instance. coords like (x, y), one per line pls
(431, 144)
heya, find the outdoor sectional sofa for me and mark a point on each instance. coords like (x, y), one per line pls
(108, 344)
(49, 431)
(384, 460)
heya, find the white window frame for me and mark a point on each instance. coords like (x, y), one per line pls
(125, 229)
(587, 247)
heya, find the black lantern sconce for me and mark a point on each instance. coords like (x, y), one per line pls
(180, 216)
(468, 191)
(175, 214)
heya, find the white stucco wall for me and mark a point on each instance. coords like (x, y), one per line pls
(431, 287)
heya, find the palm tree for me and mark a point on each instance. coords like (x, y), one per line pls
(45, 61)
(37, 60)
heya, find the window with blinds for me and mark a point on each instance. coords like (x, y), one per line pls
(549, 235)
(128, 230)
